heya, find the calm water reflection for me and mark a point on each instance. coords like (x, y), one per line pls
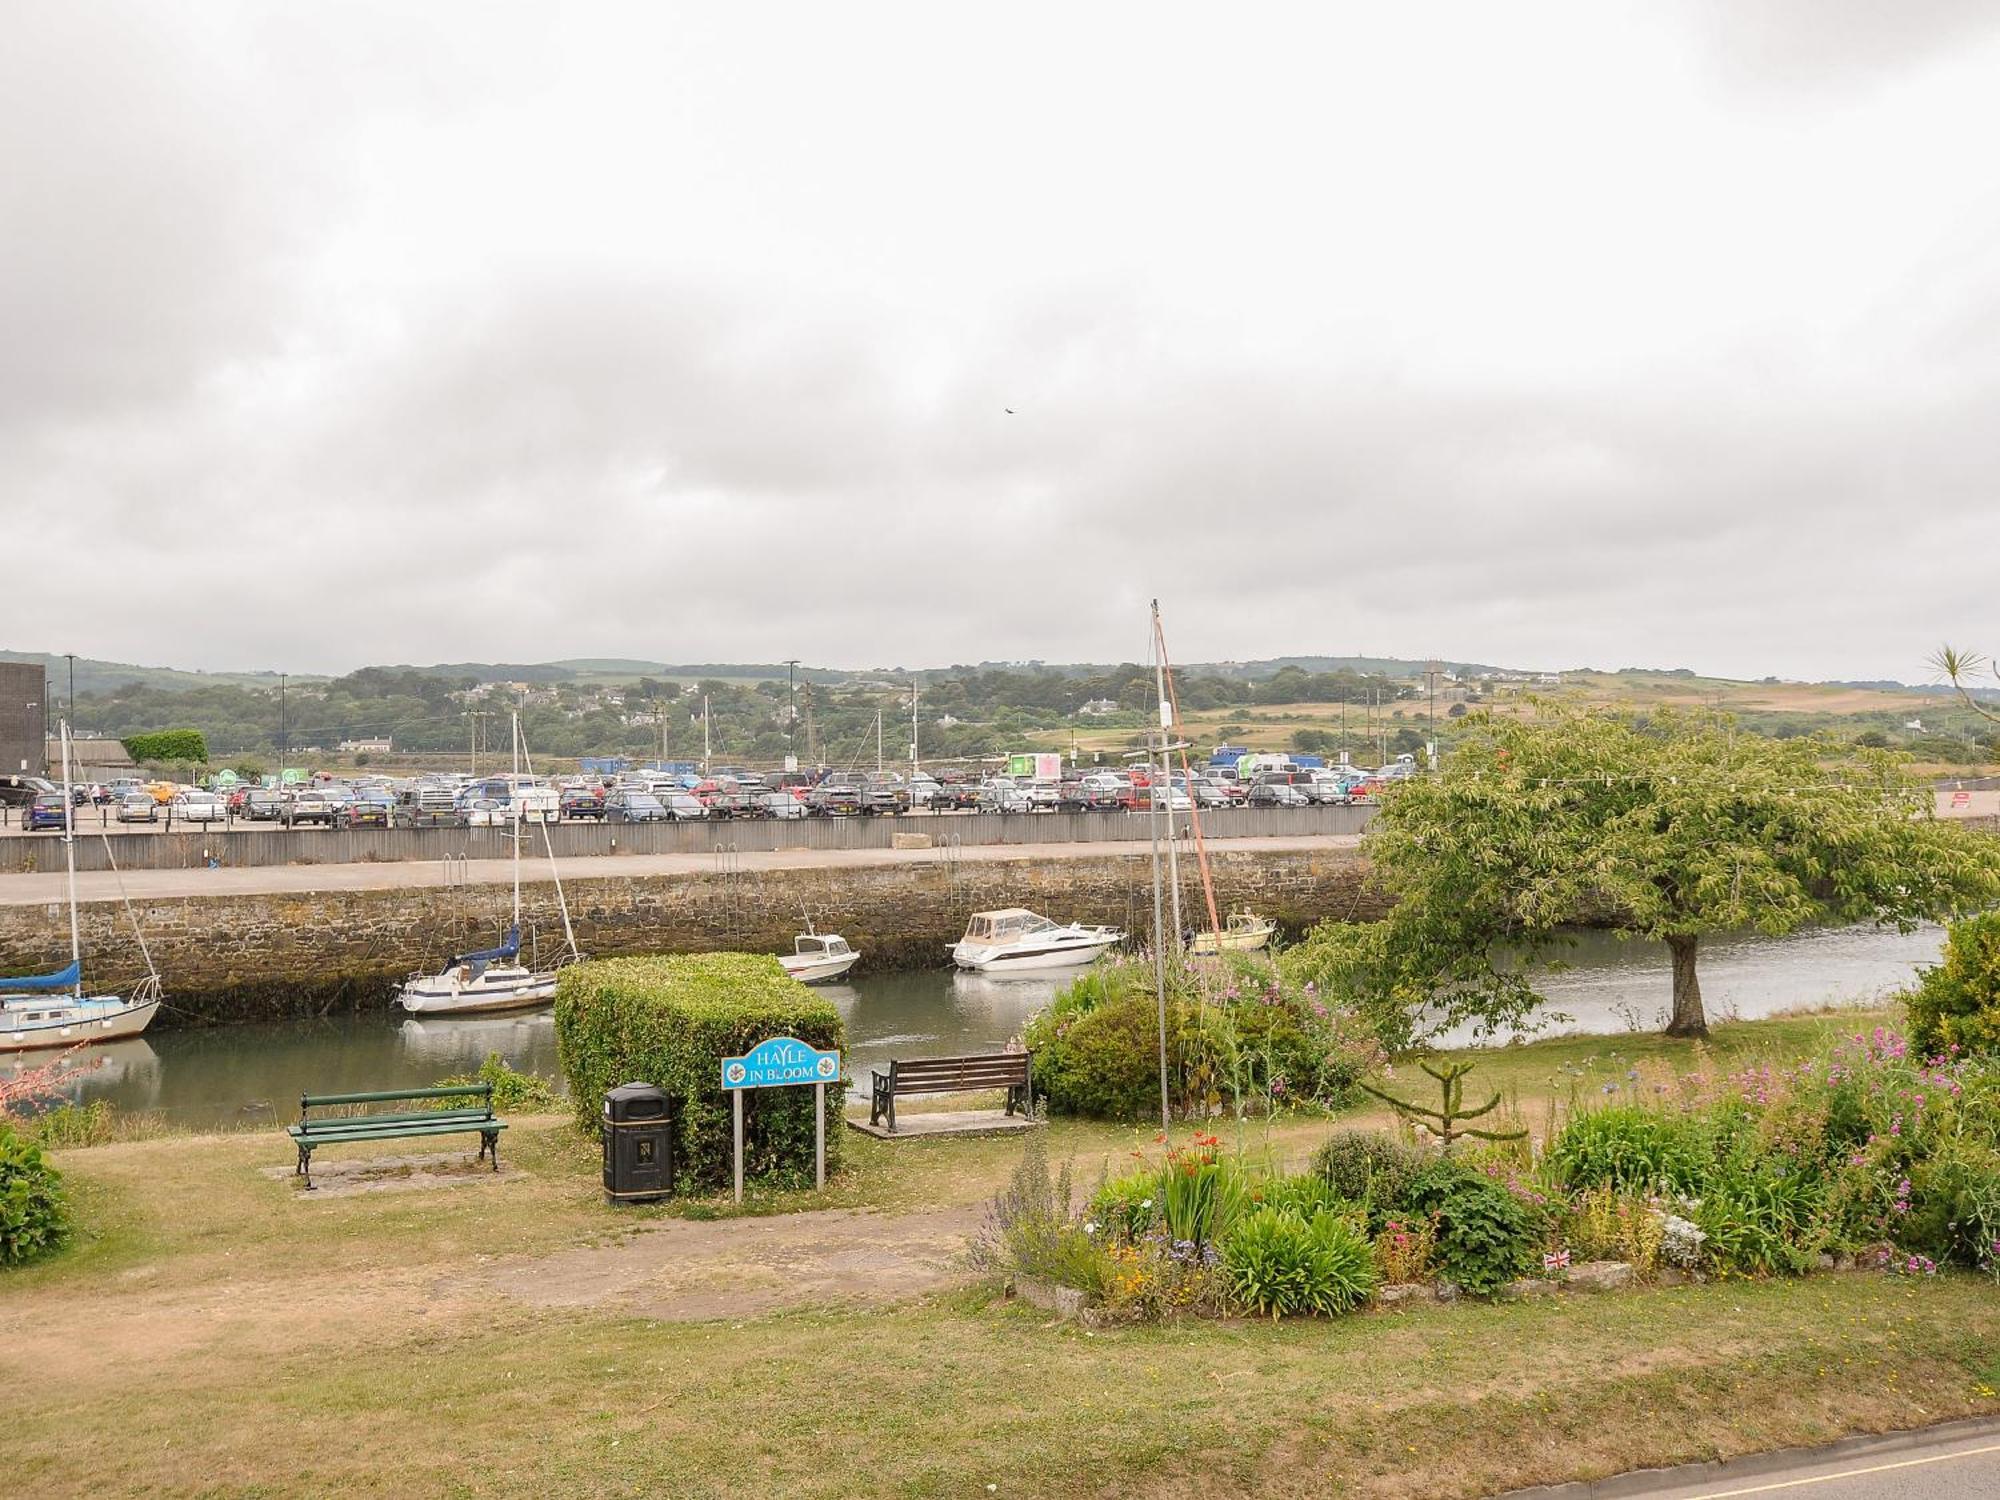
(251, 1073)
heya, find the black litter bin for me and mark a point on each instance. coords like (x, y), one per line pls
(638, 1131)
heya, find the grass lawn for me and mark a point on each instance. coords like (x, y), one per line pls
(214, 1332)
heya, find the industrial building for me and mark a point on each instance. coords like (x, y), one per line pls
(24, 721)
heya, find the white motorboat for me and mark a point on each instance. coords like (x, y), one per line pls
(492, 980)
(51, 1010)
(819, 958)
(1017, 940)
(1243, 932)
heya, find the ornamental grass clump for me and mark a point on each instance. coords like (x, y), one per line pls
(670, 1021)
(1280, 1263)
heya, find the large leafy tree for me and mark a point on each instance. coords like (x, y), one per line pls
(1670, 828)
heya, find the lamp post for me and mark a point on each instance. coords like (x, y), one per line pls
(281, 726)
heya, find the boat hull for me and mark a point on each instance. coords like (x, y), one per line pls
(102, 1019)
(490, 994)
(818, 970)
(1209, 944)
(1072, 955)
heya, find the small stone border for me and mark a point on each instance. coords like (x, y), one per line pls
(1072, 1305)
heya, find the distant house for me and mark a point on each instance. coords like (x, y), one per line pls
(366, 747)
(1550, 679)
(1916, 724)
(948, 721)
(1098, 708)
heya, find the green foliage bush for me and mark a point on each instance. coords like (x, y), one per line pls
(168, 746)
(34, 1210)
(1633, 1149)
(1305, 1194)
(513, 1092)
(1957, 1003)
(1279, 1262)
(1126, 1208)
(1033, 1229)
(68, 1124)
(1237, 1034)
(1486, 1236)
(1370, 1168)
(670, 1021)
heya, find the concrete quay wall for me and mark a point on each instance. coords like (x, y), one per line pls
(275, 955)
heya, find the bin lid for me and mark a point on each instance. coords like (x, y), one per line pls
(626, 1092)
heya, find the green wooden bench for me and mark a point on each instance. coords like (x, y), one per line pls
(328, 1130)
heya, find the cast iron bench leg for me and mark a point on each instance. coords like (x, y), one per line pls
(489, 1140)
(306, 1165)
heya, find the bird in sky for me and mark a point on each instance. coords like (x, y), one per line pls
(1009, 410)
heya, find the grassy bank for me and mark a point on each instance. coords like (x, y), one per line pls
(512, 1336)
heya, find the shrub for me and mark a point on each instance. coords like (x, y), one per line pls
(168, 746)
(1957, 1003)
(1369, 1168)
(1605, 1224)
(73, 1125)
(519, 1093)
(1096, 1047)
(1032, 1227)
(1125, 1208)
(34, 1210)
(1278, 1262)
(1762, 1224)
(1305, 1195)
(1633, 1149)
(670, 1021)
(1486, 1236)
(1403, 1251)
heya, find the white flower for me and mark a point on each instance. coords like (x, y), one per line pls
(1147, 1204)
(1090, 1228)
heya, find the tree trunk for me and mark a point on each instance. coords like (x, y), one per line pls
(1689, 1019)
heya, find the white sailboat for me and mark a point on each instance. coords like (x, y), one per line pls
(51, 1010)
(493, 979)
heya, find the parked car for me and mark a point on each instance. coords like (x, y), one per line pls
(1107, 791)
(163, 792)
(684, 807)
(780, 803)
(924, 788)
(955, 796)
(47, 811)
(260, 805)
(583, 802)
(1174, 799)
(634, 807)
(833, 799)
(999, 794)
(1278, 794)
(432, 805)
(21, 791)
(138, 807)
(194, 806)
(309, 804)
(369, 809)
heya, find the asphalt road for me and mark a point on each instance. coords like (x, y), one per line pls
(257, 880)
(1960, 1461)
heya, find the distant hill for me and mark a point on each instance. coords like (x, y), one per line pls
(101, 676)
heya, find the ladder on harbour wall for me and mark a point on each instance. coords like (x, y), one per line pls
(729, 867)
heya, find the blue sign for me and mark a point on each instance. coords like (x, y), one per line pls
(781, 1060)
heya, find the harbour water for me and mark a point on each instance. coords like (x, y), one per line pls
(245, 1074)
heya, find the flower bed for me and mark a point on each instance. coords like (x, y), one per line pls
(1866, 1157)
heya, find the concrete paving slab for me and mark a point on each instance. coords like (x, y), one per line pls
(938, 1122)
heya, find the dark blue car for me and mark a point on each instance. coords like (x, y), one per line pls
(45, 812)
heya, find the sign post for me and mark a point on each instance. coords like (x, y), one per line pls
(777, 1063)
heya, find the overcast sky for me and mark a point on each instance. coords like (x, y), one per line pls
(1661, 334)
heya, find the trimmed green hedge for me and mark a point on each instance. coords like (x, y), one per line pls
(670, 1021)
(168, 746)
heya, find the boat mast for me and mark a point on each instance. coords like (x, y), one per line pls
(1167, 737)
(69, 859)
(1194, 805)
(1159, 914)
(520, 813)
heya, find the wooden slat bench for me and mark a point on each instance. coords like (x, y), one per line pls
(1012, 1071)
(327, 1130)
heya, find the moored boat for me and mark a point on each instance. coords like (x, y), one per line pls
(819, 957)
(1244, 932)
(1015, 940)
(51, 1010)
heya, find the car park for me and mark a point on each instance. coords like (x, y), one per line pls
(138, 807)
(999, 794)
(833, 799)
(47, 812)
(426, 806)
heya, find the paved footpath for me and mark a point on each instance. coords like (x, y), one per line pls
(260, 880)
(1959, 1461)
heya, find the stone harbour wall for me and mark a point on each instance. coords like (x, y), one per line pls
(268, 957)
